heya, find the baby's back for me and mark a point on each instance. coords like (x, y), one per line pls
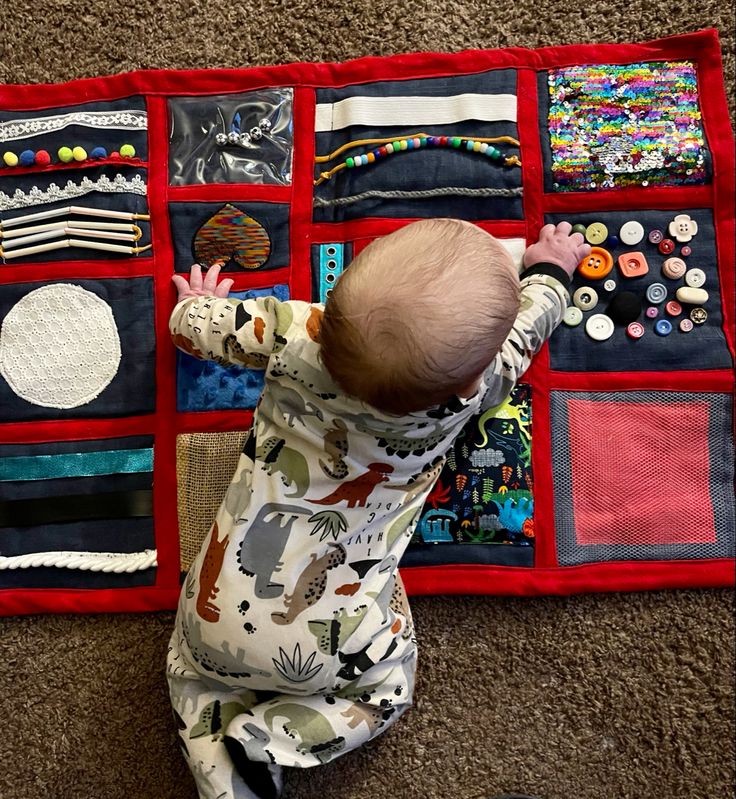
(294, 584)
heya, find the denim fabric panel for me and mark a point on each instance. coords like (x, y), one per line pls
(87, 535)
(132, 203)
(543, 100)
(60, 447)
(477, 554)
(420, 170)
(132, 390)
(347, 257)
(208, 386)
(80, 135)
(544, 108)
(195, 157)
(187, 218)
(494, 81)
(571, 349)
(65, 486)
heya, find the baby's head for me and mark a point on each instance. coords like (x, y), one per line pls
(419, 315)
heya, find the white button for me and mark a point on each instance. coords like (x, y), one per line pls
(599, 327)
(609, 285)
(692, 296)
(573, 316)
(631, 232)
(695, 278)
(585, 298)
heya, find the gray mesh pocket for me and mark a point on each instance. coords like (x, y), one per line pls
(642, 475)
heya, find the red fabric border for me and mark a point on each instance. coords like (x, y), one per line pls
(588, 578)
(701, 47)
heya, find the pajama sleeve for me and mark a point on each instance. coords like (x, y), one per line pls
(229, 331)
(544, 298)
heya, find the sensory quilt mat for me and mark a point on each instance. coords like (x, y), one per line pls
(609, 467)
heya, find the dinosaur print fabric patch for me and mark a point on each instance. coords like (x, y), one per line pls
(484, 492)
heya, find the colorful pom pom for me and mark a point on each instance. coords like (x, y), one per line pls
(98, 152)
(128, 151)
(10, 159)
(65, 155)
(43, 158)
(79, 154)
(27, 158)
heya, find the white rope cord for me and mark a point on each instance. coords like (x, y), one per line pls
(395, 194)
(115, 562)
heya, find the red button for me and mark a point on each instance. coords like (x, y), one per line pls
(686, 250)
(666, 246)
(635, 330)
(673, 308)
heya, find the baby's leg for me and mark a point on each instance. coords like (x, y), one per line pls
(203, 709)
(306, 731)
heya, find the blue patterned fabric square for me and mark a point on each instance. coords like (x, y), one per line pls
(207, 386)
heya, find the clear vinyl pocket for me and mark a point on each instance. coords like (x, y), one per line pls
(642, 475)
(231, 138)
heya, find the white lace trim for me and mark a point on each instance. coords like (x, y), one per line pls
(59, 346)
(114, 562)
(118, 185)
(26, 128)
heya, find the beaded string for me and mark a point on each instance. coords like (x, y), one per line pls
(416, 142)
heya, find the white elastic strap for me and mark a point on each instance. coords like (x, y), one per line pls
(414, 111)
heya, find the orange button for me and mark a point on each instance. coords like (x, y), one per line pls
(597, 265)
(633, 264)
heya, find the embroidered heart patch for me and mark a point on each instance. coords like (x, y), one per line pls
(231, 234)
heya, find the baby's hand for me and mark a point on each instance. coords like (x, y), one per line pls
(196, 287)
(557, 246)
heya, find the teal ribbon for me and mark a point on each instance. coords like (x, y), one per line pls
(76, 464)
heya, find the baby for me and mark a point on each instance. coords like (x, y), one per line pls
(293, 641)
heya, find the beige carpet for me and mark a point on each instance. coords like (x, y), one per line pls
(594, 697)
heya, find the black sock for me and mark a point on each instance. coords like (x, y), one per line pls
(255, 774)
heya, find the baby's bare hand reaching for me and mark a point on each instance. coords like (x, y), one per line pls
(557, 246)
(199, 287)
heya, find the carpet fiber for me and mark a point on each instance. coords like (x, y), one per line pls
(592, 697)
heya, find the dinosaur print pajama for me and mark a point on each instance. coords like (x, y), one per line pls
(293, 641)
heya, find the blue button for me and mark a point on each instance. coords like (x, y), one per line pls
(663, 327)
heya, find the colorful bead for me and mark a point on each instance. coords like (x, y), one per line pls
(27, 158)
(417, 142)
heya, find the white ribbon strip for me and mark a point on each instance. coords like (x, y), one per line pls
(414, 111)
(115, 562)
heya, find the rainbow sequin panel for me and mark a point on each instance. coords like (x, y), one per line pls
(613, 126)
